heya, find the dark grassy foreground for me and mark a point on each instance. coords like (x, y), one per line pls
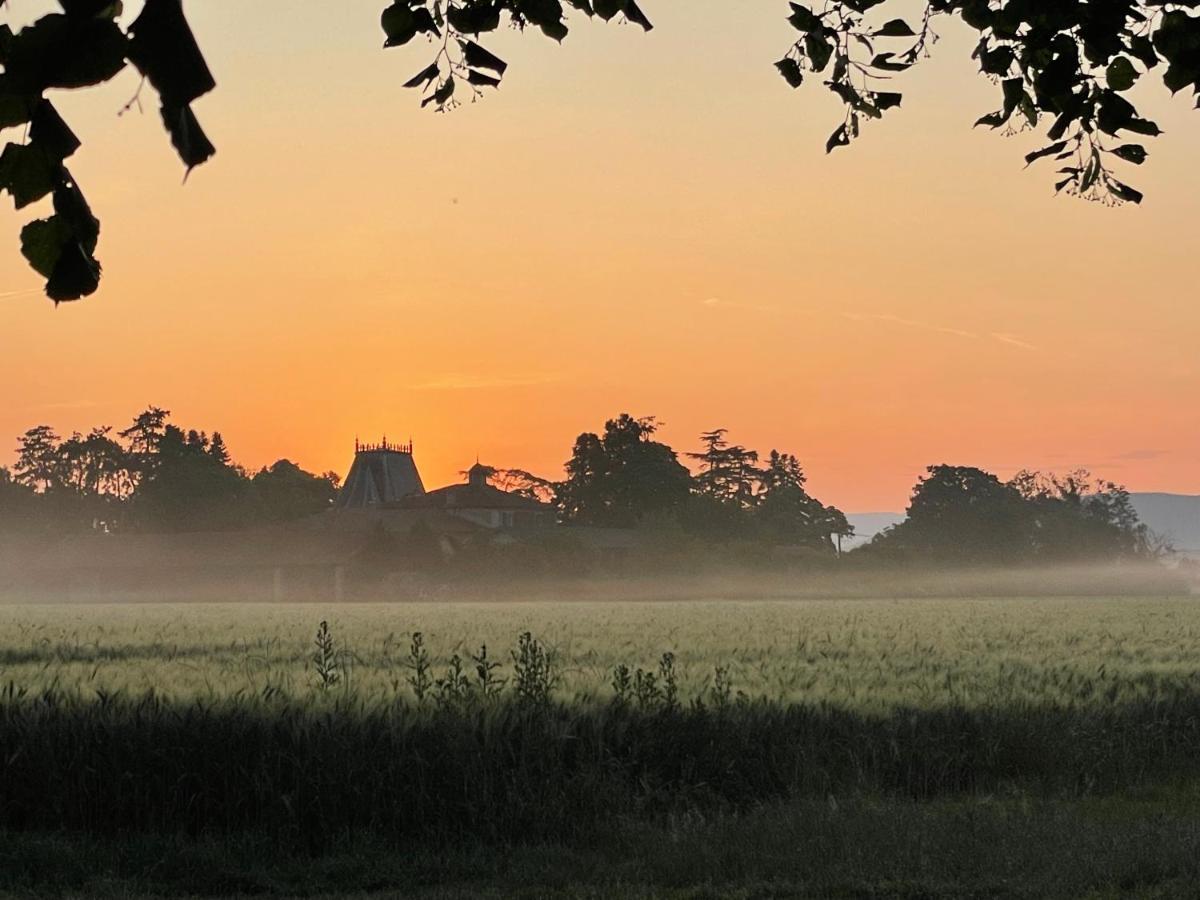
(310, 774)
(853, 849)
(117, 796)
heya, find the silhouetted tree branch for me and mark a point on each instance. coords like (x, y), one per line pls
(1064, 66)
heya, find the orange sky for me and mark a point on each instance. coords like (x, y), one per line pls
(640, 222)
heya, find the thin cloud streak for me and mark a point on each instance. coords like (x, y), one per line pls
(26, 292)
(1140, 455)
(62, 406)
(1013, 341)
(462, 382)
(909, 323)
(1000, 336)
(718, 303)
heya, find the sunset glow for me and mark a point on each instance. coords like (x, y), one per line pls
(634, 222)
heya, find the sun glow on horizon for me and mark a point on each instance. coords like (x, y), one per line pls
(635, 222)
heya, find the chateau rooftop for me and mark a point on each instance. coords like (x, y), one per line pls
(381, 474)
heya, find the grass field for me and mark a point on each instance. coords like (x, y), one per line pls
(861, 655)
(1022, 747)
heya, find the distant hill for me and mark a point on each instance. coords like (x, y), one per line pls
(867, 525)
(1175, 516)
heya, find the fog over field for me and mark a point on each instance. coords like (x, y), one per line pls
(291, 697)
(172, 570)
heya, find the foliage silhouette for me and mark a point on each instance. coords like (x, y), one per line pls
(1069, 64)
(962, 514)
(151, 476)
(623, 476)
(155, 476)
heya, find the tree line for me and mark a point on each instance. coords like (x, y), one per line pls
(956, 515)
(961, 514)
(151, 476)
(157, 476)
(624, 477)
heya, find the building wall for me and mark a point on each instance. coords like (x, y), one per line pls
(503, 518)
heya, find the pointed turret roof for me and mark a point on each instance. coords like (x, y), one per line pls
(381, 474)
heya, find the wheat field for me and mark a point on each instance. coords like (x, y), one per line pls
(971, 747)
(857, 654)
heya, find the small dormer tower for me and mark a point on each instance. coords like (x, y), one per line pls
(478, 475)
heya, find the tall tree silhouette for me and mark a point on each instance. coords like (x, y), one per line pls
(284, 491)
(623, 476)
(963, 514)
(218, 451)
(39, 464)
(95, 464)
(153, 476)
(1075, 516)
(143, 437)
(728, 472)
(187, 489)
(788, 514)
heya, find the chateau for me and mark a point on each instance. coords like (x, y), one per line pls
(385, 488)
(381, 514)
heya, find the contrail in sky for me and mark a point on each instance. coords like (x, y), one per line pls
(4, 295)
